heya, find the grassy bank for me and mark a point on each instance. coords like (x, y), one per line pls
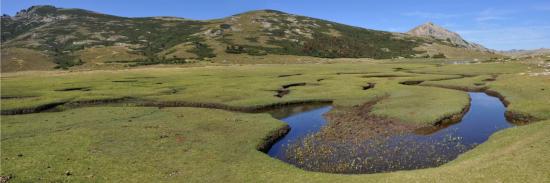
(135, 144)
(239, 86)
(127, 143)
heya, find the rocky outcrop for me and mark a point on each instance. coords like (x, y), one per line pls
(437, 32)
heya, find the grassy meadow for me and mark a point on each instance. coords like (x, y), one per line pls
(98, 131)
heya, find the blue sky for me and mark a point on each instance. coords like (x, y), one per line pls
(497, 24)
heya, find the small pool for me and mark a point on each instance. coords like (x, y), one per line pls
(302, 120)
(426, 147)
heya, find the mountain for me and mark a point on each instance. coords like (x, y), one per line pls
(448, 43)
(527, 53)
(43, 37)
(432, 30)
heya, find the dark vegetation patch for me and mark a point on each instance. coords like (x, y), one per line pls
(369, 86)
(16, 97)
(35, 109)
(343, 73)
(457, 77)
(75, 89)
(411, 82)
(252, 39)
(284, 89)
(384, 76)
(225, 26)
(462, 88)
(292, 85)
(450, 78)
(288, 75)
(202, 50)
(282, 92)
(396, 69)
(125, 81)
(153, 60)
(250, 50)
(171, 91)
(99, 102)
(439, 55)
(491, 79)
(141, 77)
(64, 60)
(251, 109)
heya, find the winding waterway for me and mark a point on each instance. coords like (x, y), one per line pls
(426, 147)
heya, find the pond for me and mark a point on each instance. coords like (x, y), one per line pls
(423, 148)
(302, 120)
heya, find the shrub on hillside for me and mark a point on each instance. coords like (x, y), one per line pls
(439, 55)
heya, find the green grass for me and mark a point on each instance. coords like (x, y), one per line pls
(242, 86)
(254, 85)
(135, 144)
(404, 104)
(527, 94)
(472, 83)
(142, 144)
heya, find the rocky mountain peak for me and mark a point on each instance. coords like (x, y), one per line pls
(36, 11)
(429, 29)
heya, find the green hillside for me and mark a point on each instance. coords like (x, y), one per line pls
(71, 37)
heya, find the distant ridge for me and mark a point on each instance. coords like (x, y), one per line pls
(527, 53)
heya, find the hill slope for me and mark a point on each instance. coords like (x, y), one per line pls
(72, 37)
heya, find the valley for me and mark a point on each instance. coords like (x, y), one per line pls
(264, 96)
(154, 117)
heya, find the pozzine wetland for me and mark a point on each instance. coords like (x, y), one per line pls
(422, 148)
(383, 122)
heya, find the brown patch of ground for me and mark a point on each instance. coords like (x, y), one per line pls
(22, 59)
(358, 123)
